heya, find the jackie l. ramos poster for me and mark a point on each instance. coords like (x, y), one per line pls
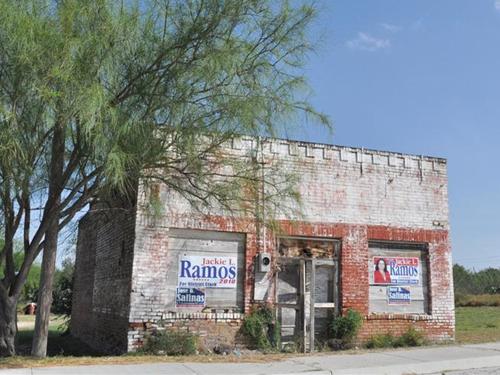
(207, 272)
(396, 270)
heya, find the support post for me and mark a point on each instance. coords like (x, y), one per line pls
(303, 303)
(311, 304)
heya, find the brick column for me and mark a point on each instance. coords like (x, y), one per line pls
(354, 269)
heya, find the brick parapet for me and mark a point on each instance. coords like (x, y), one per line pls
(299, 149)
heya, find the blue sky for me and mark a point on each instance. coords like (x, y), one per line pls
(420, 77)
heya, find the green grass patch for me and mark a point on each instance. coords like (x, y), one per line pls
(477, 324)
(59, 343)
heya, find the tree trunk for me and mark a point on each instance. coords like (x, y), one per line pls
(8, 325)
(40, 334)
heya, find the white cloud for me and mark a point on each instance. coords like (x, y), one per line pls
(366, 42)
(497, 5)
(392, 28)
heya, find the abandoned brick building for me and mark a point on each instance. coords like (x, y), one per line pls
(372, 236)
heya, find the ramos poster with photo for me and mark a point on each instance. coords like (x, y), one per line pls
(396, 270)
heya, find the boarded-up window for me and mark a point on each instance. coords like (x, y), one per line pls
(398, 278)
(205, 270)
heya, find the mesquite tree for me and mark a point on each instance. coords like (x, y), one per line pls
(96, 95)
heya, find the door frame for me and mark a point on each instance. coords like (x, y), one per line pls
(308, 336)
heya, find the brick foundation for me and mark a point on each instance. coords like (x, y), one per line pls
(211, 329)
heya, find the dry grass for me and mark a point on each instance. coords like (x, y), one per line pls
(471, 300)
(24, 362)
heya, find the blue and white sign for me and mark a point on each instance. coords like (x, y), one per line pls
(207, 272)
(398, 295)
(189, 297)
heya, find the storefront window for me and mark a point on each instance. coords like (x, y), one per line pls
(398, 278)
(206, 271)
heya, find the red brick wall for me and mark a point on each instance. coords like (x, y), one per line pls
(438, 325)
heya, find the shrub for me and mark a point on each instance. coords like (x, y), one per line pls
(62, 293)
(411, 337)
(170, 343)
(381, 341)
(261, 329)
(345, 328)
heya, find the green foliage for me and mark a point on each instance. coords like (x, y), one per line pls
(261, 329)
(467, 281)
(146, 89)
(386, 340)
(30, 289)
(62, 294)
(346, 327)
(29, 292)
(411, 337)
(137, 90)
(97, 95)
(172, 343)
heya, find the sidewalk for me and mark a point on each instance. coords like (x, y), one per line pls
(405, 361)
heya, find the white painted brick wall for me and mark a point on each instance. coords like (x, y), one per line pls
(352, 185)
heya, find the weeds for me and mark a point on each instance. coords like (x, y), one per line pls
(170, 343)
(411, 337)
(345, 328)
(261, 329)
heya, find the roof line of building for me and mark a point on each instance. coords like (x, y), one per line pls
(353, 148)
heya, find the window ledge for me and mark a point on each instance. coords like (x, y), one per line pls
(390, 316)
(201, 316)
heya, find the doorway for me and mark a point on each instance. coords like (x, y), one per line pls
(306, 290)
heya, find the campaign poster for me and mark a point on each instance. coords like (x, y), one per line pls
(189, 297)
(398, 295)
(396, 270)
(207, 272)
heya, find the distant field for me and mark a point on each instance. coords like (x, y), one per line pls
(477, 324)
